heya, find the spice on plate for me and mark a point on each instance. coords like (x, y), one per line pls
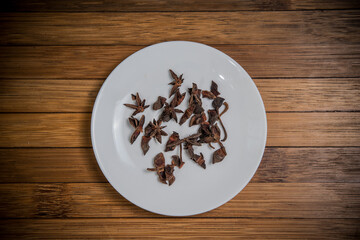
(208, 131)
(138, 125)
(140, 105)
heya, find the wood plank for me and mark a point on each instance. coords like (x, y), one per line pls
(61, 95)
(260, 61)
(313, 129)
(84, 200)
(55, 95)
(180, 228)
(173, 5)
(147, 28)
(45, 130)
(284, 129)
(289, 165)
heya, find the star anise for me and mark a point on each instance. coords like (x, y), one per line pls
(138, 125)
(195, 105)
(209, 133)
(175, 141)
(170, 110)
(178, 80)
(159, 163)
(217, 103)
(195, 94)
(165, 173)
(197, 119)
(140, 105)
(152, 130)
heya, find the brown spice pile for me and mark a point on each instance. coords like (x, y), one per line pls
(208, 131)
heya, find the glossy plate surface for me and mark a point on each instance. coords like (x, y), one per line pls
(195, 190)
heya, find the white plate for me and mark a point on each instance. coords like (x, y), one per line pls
(195, 190)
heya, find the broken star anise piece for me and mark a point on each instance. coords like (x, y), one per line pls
(219, 154)
(218, 102)
(140, 105)
(178, 98)
(145, 144)
(174, 138)
(199, 159)
(169, 174)
(178, 80)
(188, 112)
(177, 161)
(213, 116)
(214, 89)
(197, 119)
(159, 103)
(208, 94)
(138, 125)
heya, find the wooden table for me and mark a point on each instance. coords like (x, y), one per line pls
(304, 56)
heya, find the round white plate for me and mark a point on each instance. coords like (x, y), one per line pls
(195, 190)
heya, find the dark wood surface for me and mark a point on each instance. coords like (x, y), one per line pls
(304, 57)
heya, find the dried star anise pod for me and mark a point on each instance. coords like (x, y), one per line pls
(159, 103)
(140, 105)
(219, 154)
(178, 80)
(175, 141)
(138, 125)
(194, 105)
(159, 163)
(169, 112)
(152, 130)
(165, 173)
(194, 95)
(217, 103)
(209, 133)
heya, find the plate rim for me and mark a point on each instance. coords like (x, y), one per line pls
(92, 130)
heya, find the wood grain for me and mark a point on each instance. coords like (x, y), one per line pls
(284, 129)
(148, 28)
(283, 200)
(289, 165)
(315, 129)
(45, 130)
(60, 95)
(174, 5)
(180, 228)
(260, 61)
